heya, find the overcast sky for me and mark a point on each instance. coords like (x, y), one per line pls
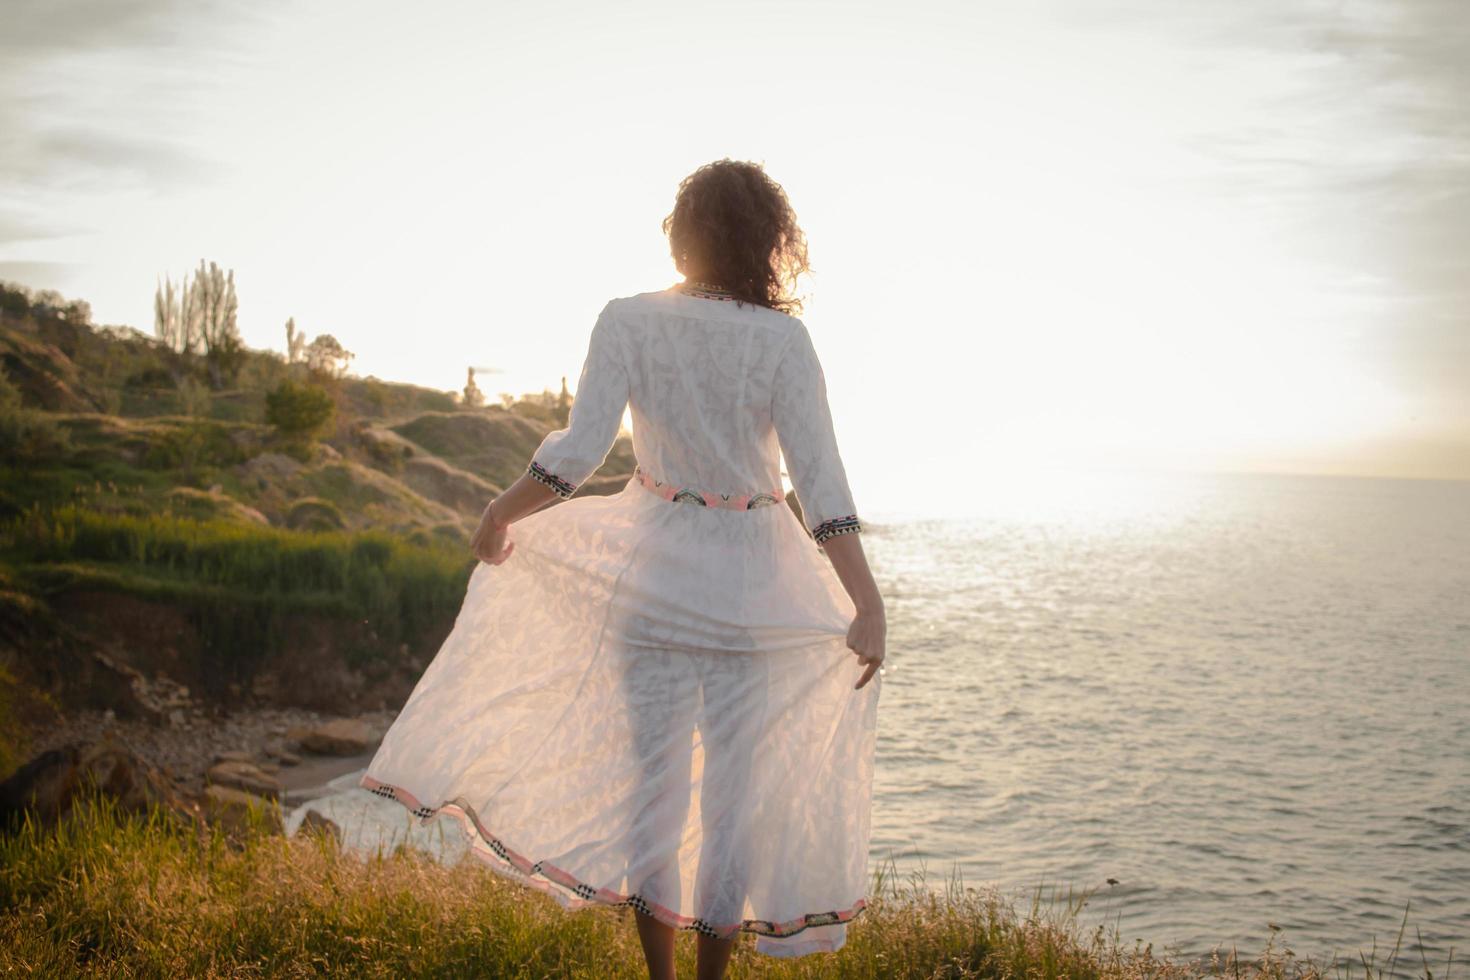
(1234, 235)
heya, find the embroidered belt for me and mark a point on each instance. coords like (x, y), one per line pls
(688, 495)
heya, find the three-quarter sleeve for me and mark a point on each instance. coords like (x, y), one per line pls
(803, 424)
(569, 456)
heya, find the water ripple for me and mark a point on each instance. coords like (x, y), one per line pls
(1248, 701)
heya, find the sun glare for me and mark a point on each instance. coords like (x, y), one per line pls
(1033, 244)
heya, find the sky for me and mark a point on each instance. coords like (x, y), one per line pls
(1043, 234)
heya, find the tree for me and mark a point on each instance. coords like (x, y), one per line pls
(200, 317)
(473, 396)
(176, 318)
(226, 358)
(327, 358)
(49, 301)
(298, 411)
(78, 311)
(168, 319)
(295, 343)
(215, 304)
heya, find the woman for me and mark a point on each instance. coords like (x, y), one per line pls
(647, 699)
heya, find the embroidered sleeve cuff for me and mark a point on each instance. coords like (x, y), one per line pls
(837, 525)
(562, 487)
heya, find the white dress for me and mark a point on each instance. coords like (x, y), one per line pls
(651, 702)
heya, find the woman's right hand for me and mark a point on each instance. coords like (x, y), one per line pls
(866, 637)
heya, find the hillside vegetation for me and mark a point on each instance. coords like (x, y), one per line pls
(258, 527)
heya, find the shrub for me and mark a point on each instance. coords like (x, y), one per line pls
(152, 376)
(194, 444)
(298, 411)
(27, 434)
(314, 514)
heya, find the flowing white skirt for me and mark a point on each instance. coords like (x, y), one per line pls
(651, 704)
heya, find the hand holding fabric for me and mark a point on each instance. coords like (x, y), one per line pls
(491, 543)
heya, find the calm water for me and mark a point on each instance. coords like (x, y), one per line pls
(1246, 698)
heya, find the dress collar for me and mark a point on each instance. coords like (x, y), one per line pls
(704, 290)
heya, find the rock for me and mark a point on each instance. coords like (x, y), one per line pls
(315, 823)
(244, 776)
(282, 755)
(233, 755)
(269, 767)
(49, 784)
(234, 809)
(158, 699)
(342, 736)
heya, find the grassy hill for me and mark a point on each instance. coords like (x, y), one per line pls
(161, 525)
(88, 406)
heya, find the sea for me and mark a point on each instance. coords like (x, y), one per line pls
(1207, 712)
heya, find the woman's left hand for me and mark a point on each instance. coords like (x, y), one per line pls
(491, 543)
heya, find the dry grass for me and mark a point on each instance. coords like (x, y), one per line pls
(108, 894)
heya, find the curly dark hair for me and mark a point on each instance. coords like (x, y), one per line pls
(732, 226)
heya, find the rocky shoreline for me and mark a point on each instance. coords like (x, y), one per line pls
(199, 767)
(184, 749)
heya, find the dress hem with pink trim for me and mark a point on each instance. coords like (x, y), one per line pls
(573, 894)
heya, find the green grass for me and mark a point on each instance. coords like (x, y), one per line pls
(105, 893)
(366, 567)
(494, 445)
(237, 581)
